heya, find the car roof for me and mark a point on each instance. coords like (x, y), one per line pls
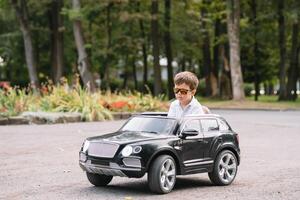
(155, 113)
(165, 114)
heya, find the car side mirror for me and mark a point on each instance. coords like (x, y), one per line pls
(189, 132)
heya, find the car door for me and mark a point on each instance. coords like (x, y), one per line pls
(192, 146)
(211, 136)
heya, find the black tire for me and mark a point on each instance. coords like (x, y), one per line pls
(162, 174)
(98, 179)
(224, 171)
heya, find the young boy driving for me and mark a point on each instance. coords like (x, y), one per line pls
(186, 84)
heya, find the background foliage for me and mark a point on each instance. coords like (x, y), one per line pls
(118, 35)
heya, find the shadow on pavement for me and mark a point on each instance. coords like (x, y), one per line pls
(141, 187)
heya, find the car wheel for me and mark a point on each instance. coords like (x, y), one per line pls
(98, 179)
(162, 174)
(225, 168)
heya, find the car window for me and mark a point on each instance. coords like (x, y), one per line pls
(224, 126)
(192, 124)
(209, 125)
(150, 125)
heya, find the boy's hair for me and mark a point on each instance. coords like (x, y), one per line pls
(188, 78)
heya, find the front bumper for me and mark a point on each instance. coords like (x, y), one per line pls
(113, 167)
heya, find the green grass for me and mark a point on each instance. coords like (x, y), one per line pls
(264, 102)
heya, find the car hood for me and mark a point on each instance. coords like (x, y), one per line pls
(128, 137)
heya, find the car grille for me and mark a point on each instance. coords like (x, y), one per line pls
(105, 150)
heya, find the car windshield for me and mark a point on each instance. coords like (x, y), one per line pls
(153, 125)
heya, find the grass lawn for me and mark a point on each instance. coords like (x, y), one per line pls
(264, 102)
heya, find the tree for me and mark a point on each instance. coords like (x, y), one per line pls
(167, 39)
(83, 63)
(108, 57)
(233, 24)
(57, 51)
(22, 16)
(294, 59)
(144, 47)
(207, 64)
(155, 48)
(255, 53)
(216, 59)
(282, 49)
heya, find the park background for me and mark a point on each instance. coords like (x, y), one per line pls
(100, 57)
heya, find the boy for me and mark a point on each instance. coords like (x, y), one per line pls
(186, 84)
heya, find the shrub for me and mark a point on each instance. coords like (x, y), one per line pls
(63, 98)
(248, 88)
(14, 101)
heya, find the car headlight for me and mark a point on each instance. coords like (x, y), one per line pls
(86, 145)
(127, 151)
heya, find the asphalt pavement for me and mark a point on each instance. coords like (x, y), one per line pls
(41, 162)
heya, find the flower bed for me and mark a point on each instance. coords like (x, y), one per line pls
(96, 106)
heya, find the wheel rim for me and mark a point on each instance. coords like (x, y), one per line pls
(167, 175)
(227, 168)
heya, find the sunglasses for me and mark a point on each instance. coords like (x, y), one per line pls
(181, 91)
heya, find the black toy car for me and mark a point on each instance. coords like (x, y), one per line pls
(163, 147)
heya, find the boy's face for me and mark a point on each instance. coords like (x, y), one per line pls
(183, 93)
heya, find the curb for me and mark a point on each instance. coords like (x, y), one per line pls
(50, 118)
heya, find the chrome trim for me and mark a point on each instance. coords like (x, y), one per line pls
(132, 162)
(188, 164)
(113, 170)
(109, 172)
(194, 160)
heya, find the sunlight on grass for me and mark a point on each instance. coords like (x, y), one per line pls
(264, 102)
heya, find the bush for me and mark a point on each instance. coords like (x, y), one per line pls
(248, 87)
(14, 101)
(63, 98)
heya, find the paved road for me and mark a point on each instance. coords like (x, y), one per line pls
(41, 162)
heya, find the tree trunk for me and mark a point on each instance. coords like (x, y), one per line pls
(144, 50)
(225, 81)
(126, 72)
(155, 41)
(22, 17)
(134, 73)
(182, 64)
(256, 54)
(206, 52)
(292, 72)
(233, 24)
(8, 71)
(216, 59)
(282, 49)
(83, 63)
(167, 39)
(56, 22)
(105, 75)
